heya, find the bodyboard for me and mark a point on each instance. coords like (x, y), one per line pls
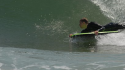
(92, 33)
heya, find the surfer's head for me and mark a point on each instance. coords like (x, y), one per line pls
(83, 23)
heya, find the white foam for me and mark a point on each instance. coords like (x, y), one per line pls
(112, 39)
(114, 9)
(62, 67)
(46, 67)
(97, 65)
(1, 64)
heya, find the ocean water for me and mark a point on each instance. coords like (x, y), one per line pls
(34, 35)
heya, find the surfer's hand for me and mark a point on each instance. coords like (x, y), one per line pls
(96, 32)
(70, 35)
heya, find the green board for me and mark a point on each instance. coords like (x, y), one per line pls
(92, 33)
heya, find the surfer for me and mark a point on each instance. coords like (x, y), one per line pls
(94, 27)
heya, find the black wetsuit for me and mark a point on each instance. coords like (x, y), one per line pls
(92, 26)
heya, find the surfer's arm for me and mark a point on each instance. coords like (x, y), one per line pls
(101, 29)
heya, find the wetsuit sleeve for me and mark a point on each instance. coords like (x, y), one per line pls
(101, 29)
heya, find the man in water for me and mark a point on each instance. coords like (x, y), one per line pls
(94, 27)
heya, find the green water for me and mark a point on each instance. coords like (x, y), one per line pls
(44, 24)
(34, 35)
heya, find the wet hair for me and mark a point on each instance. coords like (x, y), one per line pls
(84, 20)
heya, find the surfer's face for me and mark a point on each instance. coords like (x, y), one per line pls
(83, 25)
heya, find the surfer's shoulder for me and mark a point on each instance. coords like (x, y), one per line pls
(91, 23)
